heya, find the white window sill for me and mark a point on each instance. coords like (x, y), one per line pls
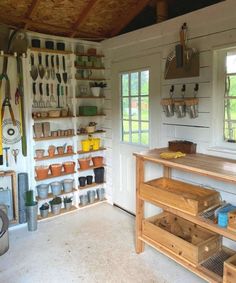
(222, 149)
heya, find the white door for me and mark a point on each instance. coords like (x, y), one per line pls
(135, 120)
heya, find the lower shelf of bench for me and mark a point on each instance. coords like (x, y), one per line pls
(199, 270)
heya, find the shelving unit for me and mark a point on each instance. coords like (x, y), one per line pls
(92, 150)
(54, 157)
(91, 186)
(52, 118)
(51, 176)
(205, 165)
(90, 168)
(50, 51)
(96, 132)
(50, 195)
(54, 138)
(90, 97)
(92, 204)
(63, 211)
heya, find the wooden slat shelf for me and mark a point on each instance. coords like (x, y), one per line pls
(98, 115)
(84, 152)
(90, 97)
(90, 186)
(89, 55)
(91, 204)
(90, 79)
(90, 168)
(51, 176)
(96, 132)
(63, 211)
(51, 51)
(52, 118)
(51, 196)
(55, 156)
(53, 138)
(88, 68)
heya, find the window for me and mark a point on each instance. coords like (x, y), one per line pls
(230, 98)
(135, 107)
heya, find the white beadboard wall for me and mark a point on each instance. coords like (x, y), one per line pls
(211, 28)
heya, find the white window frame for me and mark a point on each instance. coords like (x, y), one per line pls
(219, 73)
(139, 96)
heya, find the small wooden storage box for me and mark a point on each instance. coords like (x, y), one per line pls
(185, 239)
(188, 198)
(230, 270)
(183, 146)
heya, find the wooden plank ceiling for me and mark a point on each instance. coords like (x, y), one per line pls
(74, 18)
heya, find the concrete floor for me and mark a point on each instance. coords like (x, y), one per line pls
(91, 245)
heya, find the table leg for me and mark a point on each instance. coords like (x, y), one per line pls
(139, 205)
(166, 172)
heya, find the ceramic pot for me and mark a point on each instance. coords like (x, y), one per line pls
(56, 169)
(97, 160)
(95, 91)
(68, 185)
(39, 153)
(56, 188)
(69, 167)
(51, 150)
(69, 149)
(84, 163)
(60, 150)
(42, 190)
(41, 172)
(82, 181)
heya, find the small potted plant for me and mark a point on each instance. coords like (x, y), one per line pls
(67, 202)
(91, 127)
(96, 88)
(56, 205)
(44, 209)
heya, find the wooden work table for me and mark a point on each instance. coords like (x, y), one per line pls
(200, 164)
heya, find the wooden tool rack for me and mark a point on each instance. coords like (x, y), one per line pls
(205, 165)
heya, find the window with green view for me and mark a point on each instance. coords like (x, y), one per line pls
(135, 107)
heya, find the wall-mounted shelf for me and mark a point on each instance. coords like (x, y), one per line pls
(84, 152)
(63, 211)
(90, 168)
(91, 186)
(91, 79)
(52, 51)
(52, 118)
(89, 55)
(51, 176)
(54, 157)
(98, 115)
(51, 196)
(96, 132)
(53, 138)
(79, 67)
(94, 203)
(90, 97)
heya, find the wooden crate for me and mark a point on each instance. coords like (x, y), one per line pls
(188, 198)
(188, 241)
(230, 270)
(183, 146)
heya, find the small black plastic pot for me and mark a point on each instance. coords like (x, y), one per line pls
(89, 179)
(99, 175)
(49, 44)
(60, 46)
(82, 181)
(35, 43)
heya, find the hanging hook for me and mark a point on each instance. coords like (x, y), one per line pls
(172, 89)
(183, 90)
(196, 88)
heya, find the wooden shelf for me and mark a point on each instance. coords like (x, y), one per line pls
(96, 132)
(54, 157)
(90, 97)
(84, 152)
(91, 79)
(98, 115)
(52, 118)
(63, 211)
(51, 176)
(51, 196)
(90, 168)
(51, 51)
(89, 55)
(91, 204)
(53, 138)
(90, 186)
(88, 68)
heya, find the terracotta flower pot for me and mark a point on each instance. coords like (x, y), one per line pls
(41, 172)
(56, 169)
(51, 150)
(69, 149)
(69, 167)
(97, 160)
(60, 150)
(39, 153)
(84, 163)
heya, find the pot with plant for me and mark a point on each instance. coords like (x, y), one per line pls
(44, 209)
(56, 205)
(67, 202)
(96, 88)
(90, 129)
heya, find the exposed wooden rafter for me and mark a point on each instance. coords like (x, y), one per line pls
(124, 21)
(82, 17)
(32, 9)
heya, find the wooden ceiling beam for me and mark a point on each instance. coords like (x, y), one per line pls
(124, 21)
(31, 11)
(82, 17)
